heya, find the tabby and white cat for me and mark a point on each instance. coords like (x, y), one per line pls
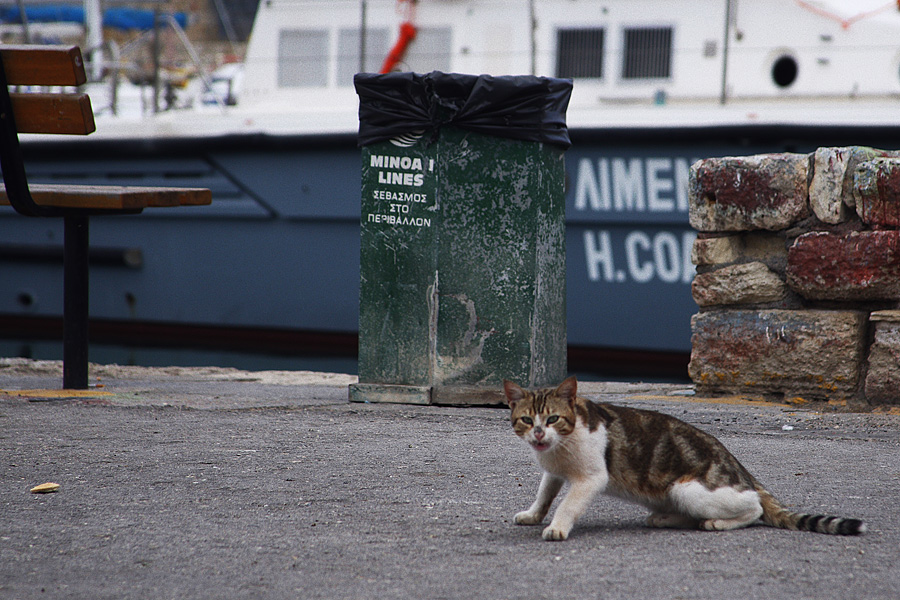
(685, 476)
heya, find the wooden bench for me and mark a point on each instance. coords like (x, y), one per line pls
(64, 113)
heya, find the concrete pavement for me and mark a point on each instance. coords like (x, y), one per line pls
(211, 483)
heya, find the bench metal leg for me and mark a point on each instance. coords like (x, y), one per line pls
(75, 309)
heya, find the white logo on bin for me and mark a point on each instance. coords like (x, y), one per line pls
(407, 140)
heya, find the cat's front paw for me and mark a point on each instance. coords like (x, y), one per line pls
(527, 518)
(555, 534)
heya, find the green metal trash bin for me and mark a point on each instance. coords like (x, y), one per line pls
(462, 261)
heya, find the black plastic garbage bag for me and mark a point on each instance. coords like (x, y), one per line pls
(522, 107)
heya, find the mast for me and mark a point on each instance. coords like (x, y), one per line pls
(93, 25)
(723, 98)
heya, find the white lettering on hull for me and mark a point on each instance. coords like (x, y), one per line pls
(632, 185)
(642, 257)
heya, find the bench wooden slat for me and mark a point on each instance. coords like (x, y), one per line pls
(53, 113)
(104, 197)
(43, 65)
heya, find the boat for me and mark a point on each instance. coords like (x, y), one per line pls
(272, 264)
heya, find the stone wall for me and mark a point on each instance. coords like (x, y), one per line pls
(798, 274)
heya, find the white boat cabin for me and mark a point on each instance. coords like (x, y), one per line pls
(619, 52)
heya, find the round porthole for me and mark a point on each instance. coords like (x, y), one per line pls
(784, 71)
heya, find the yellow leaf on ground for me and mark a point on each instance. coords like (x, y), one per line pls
(45, 488)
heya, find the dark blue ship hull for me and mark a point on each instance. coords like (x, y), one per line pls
(273, 263)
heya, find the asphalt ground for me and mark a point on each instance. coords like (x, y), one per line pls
(193, 483)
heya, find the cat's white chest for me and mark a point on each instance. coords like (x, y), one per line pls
(579, 455)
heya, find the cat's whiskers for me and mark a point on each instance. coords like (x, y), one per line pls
(565, 445)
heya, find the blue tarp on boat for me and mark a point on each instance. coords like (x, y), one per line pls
(118, 18)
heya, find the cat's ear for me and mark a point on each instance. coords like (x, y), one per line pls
(568, 389)
(513, 393)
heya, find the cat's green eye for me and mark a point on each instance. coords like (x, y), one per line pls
(552, 419)
(526, 420)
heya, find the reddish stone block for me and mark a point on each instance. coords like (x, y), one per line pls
(767, 191)
(862, 265)
(816, 353)
(876, 188)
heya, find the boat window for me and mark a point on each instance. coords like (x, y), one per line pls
(579, 53)
(784, 71)
(349, 53)
(648, 53)
(302, 58)
(430, 51)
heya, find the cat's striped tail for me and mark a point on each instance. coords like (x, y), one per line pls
(776, 515)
